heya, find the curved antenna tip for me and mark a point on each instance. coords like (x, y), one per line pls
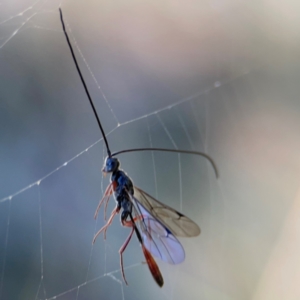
(213, 164)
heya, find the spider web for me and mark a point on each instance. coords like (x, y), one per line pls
(161, 76)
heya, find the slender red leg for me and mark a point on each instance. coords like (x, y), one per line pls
(122, 249)
(106, 195)
(105, 208)
(129, 223)
(113, 213)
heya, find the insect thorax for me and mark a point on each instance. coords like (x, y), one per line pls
(123, 186)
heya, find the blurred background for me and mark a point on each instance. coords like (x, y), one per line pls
(215, 76)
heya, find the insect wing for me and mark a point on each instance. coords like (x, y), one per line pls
(158, 239)
(176, 222)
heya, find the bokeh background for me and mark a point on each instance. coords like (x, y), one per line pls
(214, 76)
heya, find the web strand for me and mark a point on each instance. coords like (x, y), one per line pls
(153, 160)
(110, 274)
(179, 158)
(185, 130)
(20, 27)
(5, 248)
(41, 240)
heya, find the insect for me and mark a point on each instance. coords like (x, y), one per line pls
(155, 224)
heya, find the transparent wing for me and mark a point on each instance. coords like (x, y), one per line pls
(157, 238)
(171, 219)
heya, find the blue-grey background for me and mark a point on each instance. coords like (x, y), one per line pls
(214, 76)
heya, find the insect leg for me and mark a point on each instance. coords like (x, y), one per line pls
(113, 213)
(107, 194)
(122, 249)
(105, 208)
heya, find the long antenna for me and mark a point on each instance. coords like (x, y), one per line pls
(172, 150)
(99, 123)
(83, 82)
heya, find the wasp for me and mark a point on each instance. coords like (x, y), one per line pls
(155, 224)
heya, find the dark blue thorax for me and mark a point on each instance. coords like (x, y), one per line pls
(123, 186)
